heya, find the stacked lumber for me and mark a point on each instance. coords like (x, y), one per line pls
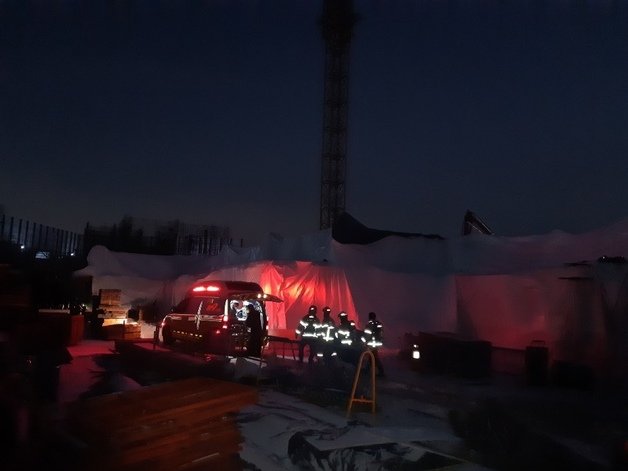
(125, 331)
(183, 424)
(110, 297)
(109, 305)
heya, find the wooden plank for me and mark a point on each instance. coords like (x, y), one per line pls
(145, 407)
(182, 447)
(155, 396)
(217, 400)
(127, 412)
(208, 462)
(110, 296)
(153, 392)
(178, 425)
(174, 449)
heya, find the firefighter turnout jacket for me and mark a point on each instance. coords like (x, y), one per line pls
(345, 332)
(308, 326)
(326, 331)
(373, 334)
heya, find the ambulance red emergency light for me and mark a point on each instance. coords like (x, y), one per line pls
(220, 317)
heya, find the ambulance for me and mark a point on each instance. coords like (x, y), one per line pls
(220, 317)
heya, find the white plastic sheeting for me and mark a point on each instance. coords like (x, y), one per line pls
(508, 290)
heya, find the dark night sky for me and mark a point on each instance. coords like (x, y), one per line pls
(210, 112)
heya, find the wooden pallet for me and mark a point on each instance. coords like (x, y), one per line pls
(123, 331)
(110, 297)
(178, 425)
(109, 312)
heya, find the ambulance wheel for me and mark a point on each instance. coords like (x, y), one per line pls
(166, 336)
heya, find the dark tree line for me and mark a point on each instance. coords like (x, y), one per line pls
(166, 238)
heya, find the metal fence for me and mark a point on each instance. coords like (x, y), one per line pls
(44, 241)
(141, 236)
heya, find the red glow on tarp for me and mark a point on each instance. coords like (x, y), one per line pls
(299, 285)
(501, 309)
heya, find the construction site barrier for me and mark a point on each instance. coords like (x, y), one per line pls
(363, 400)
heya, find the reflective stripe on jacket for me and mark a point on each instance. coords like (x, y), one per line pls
(326, 331)
(373, 334)
(308, 327)
(346, 333)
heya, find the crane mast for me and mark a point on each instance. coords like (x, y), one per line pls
(336, 24)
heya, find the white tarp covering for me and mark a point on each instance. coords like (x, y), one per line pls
(508, 290)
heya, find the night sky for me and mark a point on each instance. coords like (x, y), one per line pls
(210, 112)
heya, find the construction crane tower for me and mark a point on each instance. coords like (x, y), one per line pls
(336, 24)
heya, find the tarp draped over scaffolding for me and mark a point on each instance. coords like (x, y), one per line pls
(507, 290)
(298, 284)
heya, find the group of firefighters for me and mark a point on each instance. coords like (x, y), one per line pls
(326, 340)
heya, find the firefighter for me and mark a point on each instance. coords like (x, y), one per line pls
(348, 345)
(306, 332)
(373, 339)
(327, 336)
(256, 323)
(345, 333)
